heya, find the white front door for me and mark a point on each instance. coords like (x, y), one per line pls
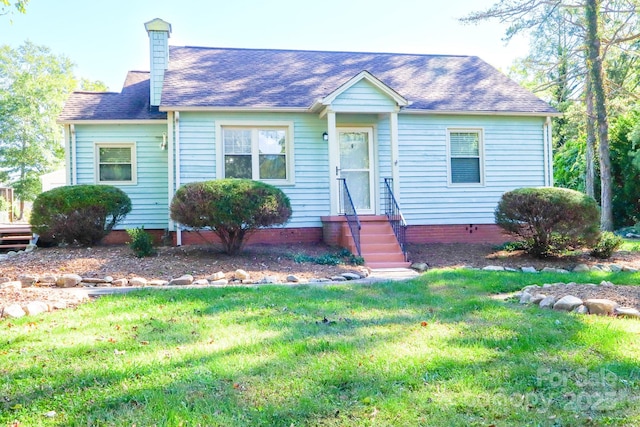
(356, 166)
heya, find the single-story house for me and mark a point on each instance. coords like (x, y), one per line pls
(436, 139)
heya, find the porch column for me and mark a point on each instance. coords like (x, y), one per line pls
(395, 154)
(334, 155)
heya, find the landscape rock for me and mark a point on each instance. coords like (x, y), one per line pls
(512, 270)
(567, 303)
(293, 278)
(529, 270)
(57, 305)
(536, 299)
(548, 302)
(201, 282)
(531, 288)
(525, 298)
(627, 312)
(420, 266)
(581, 268)
(493, 268)
(68, 281)
(319, 280)
(604, 268)
(4, 280)
(11, 285)
(137, 281)
(216, 276)
(581, 309)
(606, 283)
(241, 274)
(48, 278)
(95, 280)
(338, 279)
(13, 311)
(108, 279)
(269, 280)
(364, 272)
(157, 282)
(28, 280)
(629, 269)
(36, 307)
(120, 282)
(351, 276)
(601, 306)
(219, 282)
(183, 280)
(615, 268)
(555, 270)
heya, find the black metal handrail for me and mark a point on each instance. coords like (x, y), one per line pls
(395, 217)
(349, 211)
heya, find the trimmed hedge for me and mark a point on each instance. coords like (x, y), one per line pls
(78, 214)
(231, 208)
(549, 219)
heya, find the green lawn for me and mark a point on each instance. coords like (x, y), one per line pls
(432, 351)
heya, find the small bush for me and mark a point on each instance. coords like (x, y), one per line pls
(343, 256)
(81, 214)
(231, 208)
(606, 245)
(550, 220)
(141, 242)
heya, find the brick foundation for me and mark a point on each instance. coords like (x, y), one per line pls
(458, 233)
(266, 235)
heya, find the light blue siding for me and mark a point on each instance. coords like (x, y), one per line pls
(513, 157)
(149, 196)
(361, 97)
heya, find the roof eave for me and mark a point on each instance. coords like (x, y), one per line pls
(110, 121)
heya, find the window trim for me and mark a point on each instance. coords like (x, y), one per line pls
(253, 125)
(134, 166)
(481, 157)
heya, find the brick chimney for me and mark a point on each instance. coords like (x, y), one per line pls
(159, 32)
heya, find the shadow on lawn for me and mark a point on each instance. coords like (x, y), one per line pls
(419, 352)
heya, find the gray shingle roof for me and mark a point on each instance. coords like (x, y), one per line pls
(254, 78)
(130, 104)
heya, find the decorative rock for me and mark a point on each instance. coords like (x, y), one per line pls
(4, 280)
(512, 270)
(338, 279)
(68, 281)
(364, 272)
(629, 269)
(48, 278)
(108, 279)
(529, 270)
(351, 276)
(537, 299)
(137, 281)
(216, 276)
(183, 280)
(13, 311)
(567, 303)
(581, 268)
(493, 268)
(157, 282)
(94, 280)
(581, 309)
(615, 268)
(219, 282)
(548, 302)
(11, 285)
(420, 266)
(201, 282)
(627, 312)
(320, 280)
(120, 282)
(241, 275)
(293, 278)
(606, 284)
(595, 268)
(525, 298)
(57, 305)
(36, 307)
(530, 288)
(28, 280)
(600, 306)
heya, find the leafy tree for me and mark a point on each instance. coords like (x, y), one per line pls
(93, 86)
(18, 5)
(34, 84)
(231, 208)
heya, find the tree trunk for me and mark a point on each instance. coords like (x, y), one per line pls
(590, 172)
(594, 66)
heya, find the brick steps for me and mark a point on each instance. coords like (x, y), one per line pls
(378, 244)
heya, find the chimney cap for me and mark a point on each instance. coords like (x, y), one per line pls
(157, 25)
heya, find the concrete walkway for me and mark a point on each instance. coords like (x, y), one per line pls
(377, 275)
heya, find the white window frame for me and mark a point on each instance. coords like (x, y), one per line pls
(480, 132)
(254, 126)
(134, 169)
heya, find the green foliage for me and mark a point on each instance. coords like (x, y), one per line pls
(625, 167)
(231, 208)
(549, 219)
(343, 256)
(518, 245)
(4, 204)
(34, 85)
(141, 242)
(606, 245)
(81, 214)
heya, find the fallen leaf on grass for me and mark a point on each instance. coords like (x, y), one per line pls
(144, 342)
(423, 323)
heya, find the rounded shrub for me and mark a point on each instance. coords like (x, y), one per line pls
(550, 220)
(606, 245)
(231, 208)
(78, 214)
(141, 242)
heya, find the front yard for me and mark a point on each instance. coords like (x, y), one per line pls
(436, 350)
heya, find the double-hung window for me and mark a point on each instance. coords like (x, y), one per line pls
(260, 153)
(465, 156)
(115, 163)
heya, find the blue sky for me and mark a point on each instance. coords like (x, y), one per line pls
(105, 39)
